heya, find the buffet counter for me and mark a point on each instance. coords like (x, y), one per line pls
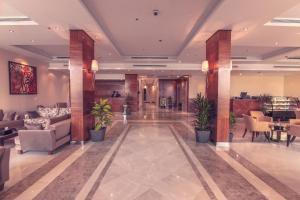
(244, 106)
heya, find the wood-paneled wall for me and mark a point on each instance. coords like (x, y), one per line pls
(218, 54)
(132, 90)
(105, 88)
(81, 83)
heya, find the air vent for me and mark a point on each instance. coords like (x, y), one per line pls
(284, 22)
(238, 58)
(287, 66)
(147, 65)
(294, 58)
(235, 66)
(11, 21)
(61, 57)
(150, 57)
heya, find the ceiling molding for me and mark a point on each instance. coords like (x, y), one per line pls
(279, 53)
(104, 28)
(200, 22)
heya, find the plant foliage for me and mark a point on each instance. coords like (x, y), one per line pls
(202, 115)
(231, 119)
(102, 113)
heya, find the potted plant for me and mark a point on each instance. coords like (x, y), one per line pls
(231, 124)
(103, 118)
(202, 107)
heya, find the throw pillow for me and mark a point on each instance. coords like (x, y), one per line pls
(33, 114)
(8, 116)
(33, 126)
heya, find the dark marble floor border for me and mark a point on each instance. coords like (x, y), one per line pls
(196, 171)
(29, 180)
(69, 183)
(274, 183)
(107, 166)
(233, 185)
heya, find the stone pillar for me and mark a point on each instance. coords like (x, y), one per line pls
(81, 84)
(218, 54)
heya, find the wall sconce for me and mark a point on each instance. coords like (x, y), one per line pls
(95, 66)
(205, 66)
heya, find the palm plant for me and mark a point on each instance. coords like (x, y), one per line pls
(102, 113)
(202, 115)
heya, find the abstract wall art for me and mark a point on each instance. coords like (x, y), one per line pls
(22, 79)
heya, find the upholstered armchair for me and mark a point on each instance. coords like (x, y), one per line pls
(48, 140)
(297, 113)
(293, 132)
(259, 115)
(256, 127)
(4, 166)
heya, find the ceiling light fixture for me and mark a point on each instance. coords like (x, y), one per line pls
(205, 66)
(32, 40)
(245, 29)
(95, 66)
(276, 43)
(11, 31)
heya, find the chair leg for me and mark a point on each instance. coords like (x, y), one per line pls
(1, 186)
(245, 132)
(293, 138)
(288, 140)
(267, 136)
(253, 134)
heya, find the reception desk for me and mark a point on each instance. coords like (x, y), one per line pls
(244, 106)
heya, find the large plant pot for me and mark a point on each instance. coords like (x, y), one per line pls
(97, 136)
(202, 136)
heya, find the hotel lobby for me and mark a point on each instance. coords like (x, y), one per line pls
(149, 100)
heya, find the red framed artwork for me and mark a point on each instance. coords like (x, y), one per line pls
(22, 79)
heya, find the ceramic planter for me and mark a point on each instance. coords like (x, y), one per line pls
(97, 136)
(202, 136)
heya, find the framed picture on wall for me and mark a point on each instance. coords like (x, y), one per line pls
(22, 79)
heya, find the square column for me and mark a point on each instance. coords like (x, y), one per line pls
(81, 84)
(218, 54)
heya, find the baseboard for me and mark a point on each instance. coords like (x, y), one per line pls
(222, 146)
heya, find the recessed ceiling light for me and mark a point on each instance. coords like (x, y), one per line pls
(32, 40)
(245, 29)
(276, 43)
(11, 31)
(241, 74)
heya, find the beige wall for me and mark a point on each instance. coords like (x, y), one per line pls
(256, 84)
(196, 85)
(292, 85)
(53, 86)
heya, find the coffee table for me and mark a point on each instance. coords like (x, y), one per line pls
(278, 128)
(4, 137)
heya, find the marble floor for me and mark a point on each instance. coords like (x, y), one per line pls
(155, 158)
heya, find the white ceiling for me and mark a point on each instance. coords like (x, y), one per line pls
(183, 27)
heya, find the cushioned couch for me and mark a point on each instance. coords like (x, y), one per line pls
(4, 166)
(11, 120)
(49, 139)
(45, 116)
